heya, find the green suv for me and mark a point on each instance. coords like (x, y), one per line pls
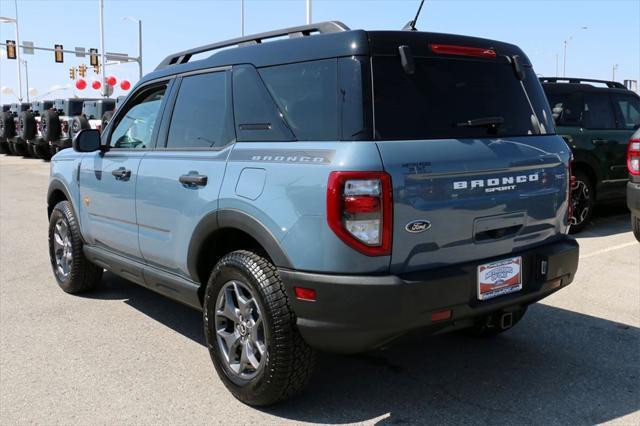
(596, 118)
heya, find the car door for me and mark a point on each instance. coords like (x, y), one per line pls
(608, 141)
(179, 181)
(108, 179)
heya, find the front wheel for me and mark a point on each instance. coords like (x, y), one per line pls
(582, 201)
(73, 271)
(251, 331)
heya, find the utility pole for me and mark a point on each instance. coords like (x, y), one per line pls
(103, 56)
(26, 74)
(242, 18)
(308, 12)
(613, 72)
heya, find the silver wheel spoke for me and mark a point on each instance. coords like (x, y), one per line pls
(240, 330)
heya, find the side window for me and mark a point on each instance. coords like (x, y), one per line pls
(629, 110)
(135, 128)
(307, 95)
(202, 115)
(566, 108)
(598, 113)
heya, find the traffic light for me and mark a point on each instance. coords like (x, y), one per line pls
(93, 57)
(58, 54)
(82, 70)
(72, 73)
(96, 68)
(11, 49)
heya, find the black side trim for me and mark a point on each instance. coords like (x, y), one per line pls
(169, 285)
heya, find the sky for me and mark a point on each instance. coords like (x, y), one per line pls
(538, 27)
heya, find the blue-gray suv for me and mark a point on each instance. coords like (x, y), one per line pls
(326, 190)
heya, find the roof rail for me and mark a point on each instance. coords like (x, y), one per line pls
(299, 31)
(610, 84)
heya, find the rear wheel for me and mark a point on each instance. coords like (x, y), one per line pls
(635, 224)
(582, 200)
(32, 150)
(251, 331)
(73, 271)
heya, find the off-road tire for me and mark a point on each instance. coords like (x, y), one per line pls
(31, 149)
(76, 124)
(7, 126)
(635, 225)
(50, 123)
(43, 152)
(488, 326)
(106, 117)
(289, 360)
(83, 275)
(582, 185)
(28, 126)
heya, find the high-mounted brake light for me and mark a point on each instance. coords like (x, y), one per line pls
(360, 212)
(452, 49)
(633, 157)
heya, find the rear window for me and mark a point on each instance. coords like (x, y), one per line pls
(443, 93)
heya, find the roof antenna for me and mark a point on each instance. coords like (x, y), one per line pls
(411, 25)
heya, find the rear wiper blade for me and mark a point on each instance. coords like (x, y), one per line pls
(481, 122)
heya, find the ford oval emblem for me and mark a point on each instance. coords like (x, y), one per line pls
(417, 226)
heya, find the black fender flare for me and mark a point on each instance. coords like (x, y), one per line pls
(57, 185)
(234, 219)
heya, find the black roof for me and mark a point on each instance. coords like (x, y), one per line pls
(572, 84)
(299, 46)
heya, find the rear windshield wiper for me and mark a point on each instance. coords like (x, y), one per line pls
(482, 122)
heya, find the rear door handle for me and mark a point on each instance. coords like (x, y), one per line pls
(121, 173)
(193, 179)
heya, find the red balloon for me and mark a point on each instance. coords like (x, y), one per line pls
(81, 84)
(125, 85)
(96, 84)
(111, 81)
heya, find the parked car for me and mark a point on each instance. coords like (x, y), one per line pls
(596, 118)
(633, 186)
(98, 111)
(31, 129)
(18, 145)
(332, 190)
(6, 129)
(63, 122)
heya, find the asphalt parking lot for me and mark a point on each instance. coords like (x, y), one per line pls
(126, 355)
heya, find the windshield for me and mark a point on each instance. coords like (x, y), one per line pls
(456, 98)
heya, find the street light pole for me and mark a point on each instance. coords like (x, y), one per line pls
(139, 60)
(566, 43)
(26, 75)
(6, 20)
(242, 18)
(103, 56)
(308, 12)
(614, 68)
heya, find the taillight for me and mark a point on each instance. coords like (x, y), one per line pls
(633, 157)
(359, 210)
(452, 49)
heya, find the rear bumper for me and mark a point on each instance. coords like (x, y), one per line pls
(633, 197)
(357, 313)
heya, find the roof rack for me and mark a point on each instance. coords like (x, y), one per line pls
(292, 32)
(610, 84)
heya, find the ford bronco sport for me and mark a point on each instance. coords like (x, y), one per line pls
(596, 118)
(332, 190)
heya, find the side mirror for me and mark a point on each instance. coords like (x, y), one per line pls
(87, 140)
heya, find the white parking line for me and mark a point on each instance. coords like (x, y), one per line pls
(605, 250)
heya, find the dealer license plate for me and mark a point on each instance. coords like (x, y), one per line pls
(499, 278)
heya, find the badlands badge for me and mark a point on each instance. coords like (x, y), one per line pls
(499, 278)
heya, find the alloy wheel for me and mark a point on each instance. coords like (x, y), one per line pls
(580, 199)
(63, 249)
(240, 331)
